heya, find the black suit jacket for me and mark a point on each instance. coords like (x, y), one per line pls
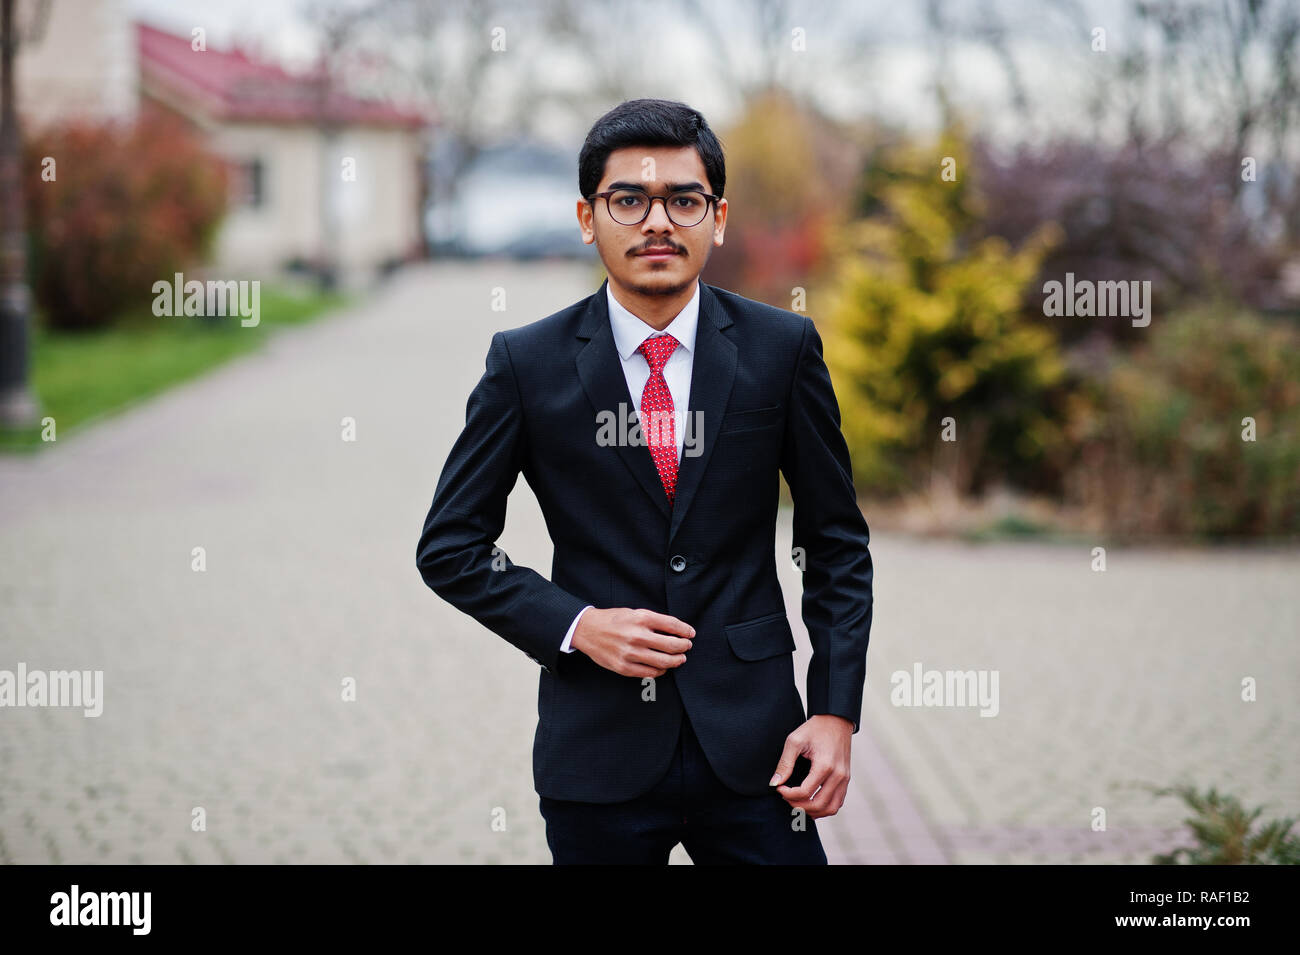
(709, 559)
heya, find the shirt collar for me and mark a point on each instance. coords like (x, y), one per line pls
(630, 331)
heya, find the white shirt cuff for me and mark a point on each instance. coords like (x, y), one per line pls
(568, 637)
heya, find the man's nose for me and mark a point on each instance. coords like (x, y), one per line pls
(657, 220)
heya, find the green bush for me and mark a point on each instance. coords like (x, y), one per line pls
(1222, 828)
(926, 322)
(128, 205)
(1160, 432)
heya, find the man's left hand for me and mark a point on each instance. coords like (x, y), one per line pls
(825, 740)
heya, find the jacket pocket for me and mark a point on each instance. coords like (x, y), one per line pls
(762, 637)
(750, 419)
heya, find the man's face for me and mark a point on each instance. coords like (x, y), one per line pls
(658, 171)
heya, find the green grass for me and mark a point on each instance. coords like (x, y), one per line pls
(1011, 526)
(81, 377)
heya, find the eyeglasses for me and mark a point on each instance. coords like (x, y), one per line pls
(631, 206)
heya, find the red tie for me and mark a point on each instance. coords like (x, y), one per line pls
(657, 423)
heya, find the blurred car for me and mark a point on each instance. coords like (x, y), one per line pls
(516, 200)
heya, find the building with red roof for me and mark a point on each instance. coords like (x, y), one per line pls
(319, 177)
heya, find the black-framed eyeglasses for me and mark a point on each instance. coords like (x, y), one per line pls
(632, 206)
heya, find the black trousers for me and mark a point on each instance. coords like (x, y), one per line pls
(689, 805)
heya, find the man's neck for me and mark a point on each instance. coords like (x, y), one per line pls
(657, 311)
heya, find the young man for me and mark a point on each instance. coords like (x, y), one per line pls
(651, 420)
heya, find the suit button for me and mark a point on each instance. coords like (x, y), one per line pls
(678, 563)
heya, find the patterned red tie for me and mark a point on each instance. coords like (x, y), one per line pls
(657, 423)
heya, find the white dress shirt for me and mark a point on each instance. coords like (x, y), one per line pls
(629, 333)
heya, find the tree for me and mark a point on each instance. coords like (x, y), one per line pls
(939, 373)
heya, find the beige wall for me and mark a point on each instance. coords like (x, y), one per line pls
(83, 67)
(378, 213)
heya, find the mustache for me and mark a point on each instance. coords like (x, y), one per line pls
(658, 245)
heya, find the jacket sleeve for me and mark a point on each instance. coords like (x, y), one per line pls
(457, 554)
(830, 528)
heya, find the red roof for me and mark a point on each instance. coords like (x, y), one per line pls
(229, 85)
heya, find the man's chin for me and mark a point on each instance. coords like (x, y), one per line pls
(656, 281)
(662, 286)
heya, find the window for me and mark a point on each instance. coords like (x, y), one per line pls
(247, 184)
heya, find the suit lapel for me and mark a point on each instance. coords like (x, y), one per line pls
(712, 373)
(601, 372)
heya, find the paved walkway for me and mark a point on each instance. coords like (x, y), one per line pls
(223, 688)
(1107, 682)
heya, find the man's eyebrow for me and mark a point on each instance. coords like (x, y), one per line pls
(672, 186)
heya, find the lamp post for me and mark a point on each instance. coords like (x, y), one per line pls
(17, 406)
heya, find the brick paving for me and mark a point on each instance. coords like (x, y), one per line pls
(1109, 682)
(223, 688)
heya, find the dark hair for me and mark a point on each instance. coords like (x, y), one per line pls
(649, 122)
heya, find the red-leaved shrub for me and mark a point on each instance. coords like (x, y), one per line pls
(128, 205)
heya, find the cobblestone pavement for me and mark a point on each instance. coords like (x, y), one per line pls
(223, 688)
(1108, 682)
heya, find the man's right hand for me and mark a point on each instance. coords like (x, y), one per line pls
(631, 642)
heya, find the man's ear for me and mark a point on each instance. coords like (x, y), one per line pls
(586, 222)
